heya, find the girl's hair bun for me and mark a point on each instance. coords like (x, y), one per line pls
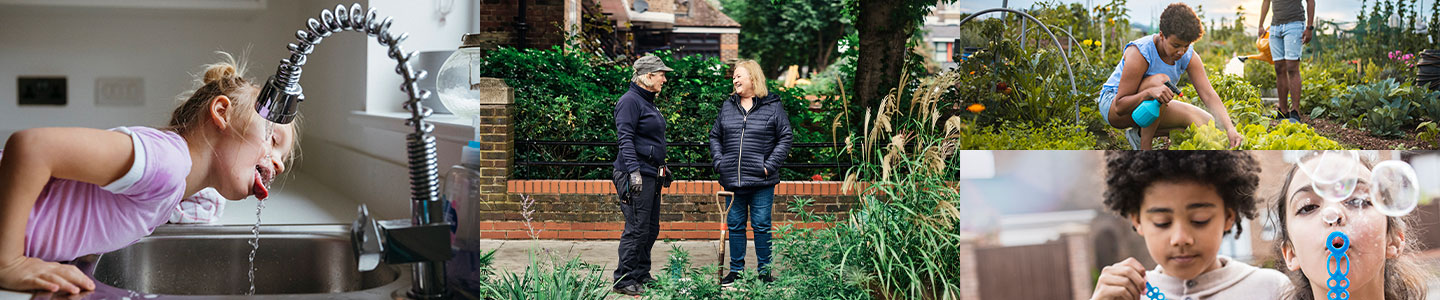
(218, 71)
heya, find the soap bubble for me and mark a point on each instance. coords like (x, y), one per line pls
(1395, 189)
(1330, 215)
(1330, 172)
(1335, 191)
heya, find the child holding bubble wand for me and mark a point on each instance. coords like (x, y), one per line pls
(1183, 204)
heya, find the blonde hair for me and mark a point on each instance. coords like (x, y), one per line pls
(757, 77)
(226, 78)
(1404, 276)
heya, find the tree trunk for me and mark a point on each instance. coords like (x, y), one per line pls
(882, 50)
(823, 52)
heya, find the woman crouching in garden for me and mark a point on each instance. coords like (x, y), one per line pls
(1141, 76)
(639, 173)
(749, 140)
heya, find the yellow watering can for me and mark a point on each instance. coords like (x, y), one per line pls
(1262, 43)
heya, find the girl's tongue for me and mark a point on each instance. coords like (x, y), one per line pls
(258, 187)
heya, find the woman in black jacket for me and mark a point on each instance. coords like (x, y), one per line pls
(749, 140)
(640, 172)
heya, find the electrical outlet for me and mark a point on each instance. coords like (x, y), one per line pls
(119, 91)
(37, 90)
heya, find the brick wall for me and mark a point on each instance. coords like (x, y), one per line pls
(544, 17)
(729, 47)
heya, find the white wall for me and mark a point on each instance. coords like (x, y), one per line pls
(164, 47)
(348, 72)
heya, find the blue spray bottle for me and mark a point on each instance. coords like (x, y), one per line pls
(1149, 110)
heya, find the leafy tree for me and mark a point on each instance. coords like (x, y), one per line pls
(780, 33)
(886, 28)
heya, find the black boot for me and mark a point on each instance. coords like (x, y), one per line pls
(729, 279)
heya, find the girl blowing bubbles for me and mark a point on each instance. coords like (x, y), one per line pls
(70, 192)
(1381, 262)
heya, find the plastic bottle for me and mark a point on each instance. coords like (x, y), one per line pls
(462, 189)
(1149, 110)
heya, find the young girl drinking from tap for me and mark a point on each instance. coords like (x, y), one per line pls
(1380, 259)
(70, 192)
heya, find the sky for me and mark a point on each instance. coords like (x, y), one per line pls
(1144, 11)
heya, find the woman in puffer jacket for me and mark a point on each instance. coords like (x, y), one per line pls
(749, 140)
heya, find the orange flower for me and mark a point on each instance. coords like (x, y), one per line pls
(972, 72)
(976, 108)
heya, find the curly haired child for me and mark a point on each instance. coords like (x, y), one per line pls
(1183, 204)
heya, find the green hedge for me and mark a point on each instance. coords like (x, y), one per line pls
(570, 96)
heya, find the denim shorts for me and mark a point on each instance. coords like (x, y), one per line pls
(1107, 96)
(1286, 40)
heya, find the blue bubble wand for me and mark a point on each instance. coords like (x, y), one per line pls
(1339, 282)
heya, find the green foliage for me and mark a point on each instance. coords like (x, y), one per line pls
(1260, 74)
(570, 96)
(790, 32)
(1206, 137)
(1055, 135)
(1384, 108)
(1284, 136)
(809, 264)
(1317, 89)
(905, 242)
(1429, 133)
(1023, 85)
(681, 281)
(1242, 100)
(1388, 119)
(550, 279)
(1427, 104)
(556, 93)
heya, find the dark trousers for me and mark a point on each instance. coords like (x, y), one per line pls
(642, 226)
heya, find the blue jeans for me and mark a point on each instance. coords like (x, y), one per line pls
(757, 205)
(1286, 42)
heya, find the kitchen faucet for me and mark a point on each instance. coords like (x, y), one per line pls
(424, 239)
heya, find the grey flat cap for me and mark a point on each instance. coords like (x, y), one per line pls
(650, 64)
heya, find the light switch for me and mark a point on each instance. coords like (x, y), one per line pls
(41, 90)
(119, 91)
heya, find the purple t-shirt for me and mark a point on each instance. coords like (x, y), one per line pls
(73, 219)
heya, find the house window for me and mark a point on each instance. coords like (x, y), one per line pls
(650, 40)
(942, 51)
(707, 44)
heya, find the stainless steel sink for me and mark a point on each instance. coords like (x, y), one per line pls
(293, 261)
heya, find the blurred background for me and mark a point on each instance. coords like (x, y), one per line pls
(1038, 216)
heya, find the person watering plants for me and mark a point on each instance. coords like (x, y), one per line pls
(749, 140)
(1137, 95)
(1291, 28)
(640, 172)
